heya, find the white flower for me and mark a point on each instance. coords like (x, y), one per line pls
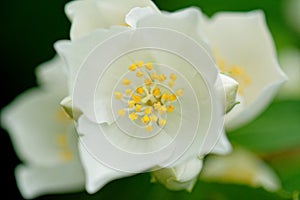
(89, 15)
(149, 97)
(289, 59)
(44, 138)
(244, 50)
(240, 167)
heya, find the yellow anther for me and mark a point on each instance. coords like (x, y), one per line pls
(179, 92)
(128, 92)
(126, 82)
(154, 118)
(62, 140)
(154, 76)
(148, 110)
(66, 155)
(157, 105)
(131, 104)
(173, 77)
(148, 81)
(118, 95)
(170, 108)
(162, 110)
(139, 74)
(138, 107)
(145, 119)
(156, 92)
(162, 78)
(136, 98)
(139, 90)
(162, 122)
(171, 83)
(132, 67)
(235, 70)
(121, 112)
(172, 97)
(139, 64)
(148, 128)
(165, 96)
(133, 116)
(148, 66)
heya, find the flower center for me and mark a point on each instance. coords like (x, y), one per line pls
(235, 71)
(148, 103)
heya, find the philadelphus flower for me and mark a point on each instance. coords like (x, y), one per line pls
(44, 138)
(244, 50)
(146, 96)
(240, 167)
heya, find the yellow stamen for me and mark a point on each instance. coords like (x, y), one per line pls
(145, 119)
(148, 128)
(128, 92)
(136, 98)
(148, 66)
(148, 110)
(132, 67)
(172, 97)
(164, 96)
(133, 116)
(139, 90)
(139, 64)
(157, 105)
(138, 107)
(62, 140)
(66, 155)
(121, 112)
(131, 104)
(156, 92)
(126, 82)
(179, 92)
(170, 108)
(171, 83)
(148, 81)
(139, 74)
(173, 77)
(118, 95)
(162, 122)
(154, 76)
(154, 118)
(162, 78)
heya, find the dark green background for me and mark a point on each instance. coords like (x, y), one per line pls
(30, 27)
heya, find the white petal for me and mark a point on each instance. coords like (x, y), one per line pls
(34, 181)
(52, 75)
(243, 40)
(180, 177)
(97, 174)
(187, 21)
(240, 167)
(289, 59)
(222, 146)
(87, 16)
(35, 121)
(230, 87)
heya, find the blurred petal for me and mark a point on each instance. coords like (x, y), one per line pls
(87, 16)
(97, 174)
(34, 181)
(223, 145)
(180, 177)
(240, 167)
(243, 47)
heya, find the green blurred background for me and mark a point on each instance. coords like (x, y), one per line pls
(29, 29)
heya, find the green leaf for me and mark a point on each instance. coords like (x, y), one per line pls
(278, 128)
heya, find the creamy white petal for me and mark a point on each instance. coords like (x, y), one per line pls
(240, 167)
(87, 16)
(187, 21)
(223, 145)
(35, 122)
(97, 174)
(34, 181)
(180, 177)
(52, 75)
(243, 43)
(230, 87)
(289, 59)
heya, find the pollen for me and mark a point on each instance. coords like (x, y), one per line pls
(139, 64)
(139, 74)
(148, 81)
(173, 77)
(126, 82)
(171, 83)
(172, 97)
(154, 76)
(148, 66)
(131, 104)
(133, 116)
(132, 67)
(162, 122)
(136, 98)
(121, 112)
(145, 119)
(162, 78)
(138, 107)
(139, 90)
(170, 108)
(179, 92)
(148, 128)
(156, 92)
(128, 92)
(148, 110)
(118, 95)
